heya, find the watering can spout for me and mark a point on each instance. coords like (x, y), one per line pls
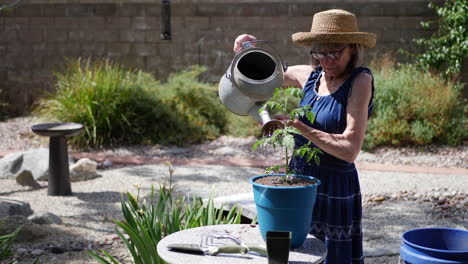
(268, 125)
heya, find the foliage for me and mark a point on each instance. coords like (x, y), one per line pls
(447, 49)
(6, 242)
(241, 126)
(415, 107)
(199, 114)
(284, 137)
(147, 223)
(120, 106)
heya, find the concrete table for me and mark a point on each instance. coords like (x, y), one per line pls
(59, 172)
(312, 251)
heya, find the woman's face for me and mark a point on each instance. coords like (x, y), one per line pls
(334, 60)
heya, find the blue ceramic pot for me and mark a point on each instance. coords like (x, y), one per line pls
(285, 208)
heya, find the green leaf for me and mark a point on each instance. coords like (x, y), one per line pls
(288, 141)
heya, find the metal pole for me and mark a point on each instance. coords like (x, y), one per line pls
(165, 19)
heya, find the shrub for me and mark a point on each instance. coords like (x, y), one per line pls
(146, 223)
(198, 114)
(242, 126)
(120, 106)
(446, 50)
(415, 107)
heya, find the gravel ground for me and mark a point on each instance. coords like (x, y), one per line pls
(88, 228)
(16, 135)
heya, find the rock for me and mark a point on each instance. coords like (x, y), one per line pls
(29, 231)
(84, 164)
(107, 164)
(25, 178)
(36, 161)
(446, 195)
(45, 218)
(57, 250)
(379, 199)
(177, 151)
(37, 252)
(76, 176)
(83, 170)
(10, 207)
(21, 251)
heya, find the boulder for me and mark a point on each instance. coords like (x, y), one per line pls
(29, 230)
(25, 178)
(36, 161)
(14, 207)
(46, 218)
(84, 165)
(83, 170)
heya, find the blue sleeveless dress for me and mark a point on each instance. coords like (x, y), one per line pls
(338, 209)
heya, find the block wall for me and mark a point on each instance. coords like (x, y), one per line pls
(37, 35)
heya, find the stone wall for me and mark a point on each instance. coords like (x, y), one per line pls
(37, 35)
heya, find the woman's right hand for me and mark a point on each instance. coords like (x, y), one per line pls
(240, 39)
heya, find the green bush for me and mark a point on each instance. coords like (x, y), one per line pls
(415, 107)
(447, 49)
(146, 223)
(120, 106)
(242, 126)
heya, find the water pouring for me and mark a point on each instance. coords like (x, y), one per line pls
(250, 80)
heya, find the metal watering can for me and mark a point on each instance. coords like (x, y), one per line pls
(250, 81)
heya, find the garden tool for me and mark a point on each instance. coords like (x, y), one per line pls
(208, 246)
(250, 80)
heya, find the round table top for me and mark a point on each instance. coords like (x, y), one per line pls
(312, 251)
(57, 129)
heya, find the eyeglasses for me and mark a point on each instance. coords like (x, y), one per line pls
(331, 54)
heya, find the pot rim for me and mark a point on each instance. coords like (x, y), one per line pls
(407, 233)
(252, 181)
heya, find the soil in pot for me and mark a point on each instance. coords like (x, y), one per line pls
(278, 181)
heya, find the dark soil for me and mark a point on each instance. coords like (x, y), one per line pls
(278, 181)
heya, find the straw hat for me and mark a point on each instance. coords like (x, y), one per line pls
(334, 26)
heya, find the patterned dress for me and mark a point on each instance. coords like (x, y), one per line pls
(338, 209)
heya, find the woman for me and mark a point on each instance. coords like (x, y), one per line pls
(340, 94)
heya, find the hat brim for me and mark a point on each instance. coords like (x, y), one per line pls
(306, 39)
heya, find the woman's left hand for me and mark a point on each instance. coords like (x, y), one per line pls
(300, 126)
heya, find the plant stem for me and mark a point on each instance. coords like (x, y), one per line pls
(286, 125)
(287, 161)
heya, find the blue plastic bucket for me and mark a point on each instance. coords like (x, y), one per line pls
(285, 208)
(435, 246)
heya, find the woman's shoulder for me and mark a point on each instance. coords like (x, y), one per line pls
(362, 82)
(297, 75)
(362, 70)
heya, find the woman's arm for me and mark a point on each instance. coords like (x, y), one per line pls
(345, 146)
(297, 76)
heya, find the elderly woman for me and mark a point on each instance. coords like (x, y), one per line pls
(340, 93)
